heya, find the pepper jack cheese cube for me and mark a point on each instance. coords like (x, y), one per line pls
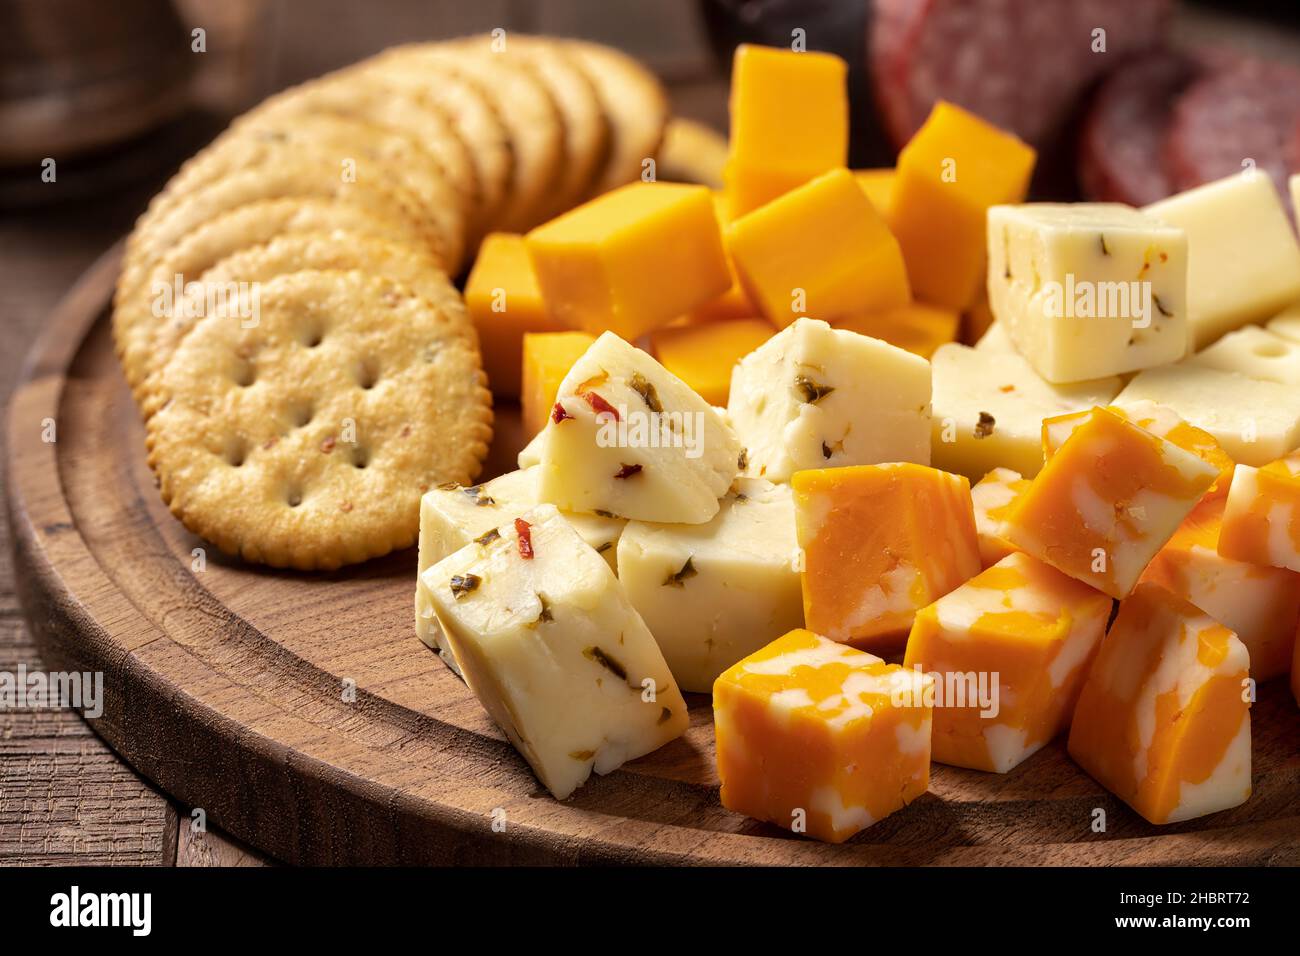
(548, 356)
(917, 328)
(879, 543)
(948, 175)
(1162, 721)
(821, 738)
(712, 593)
(627, 437)
(773, 93)
(631, 260)
(1261, 523)
(549, 644)
(821, 249)
(1086, 290)
(988, 410)
(1255, 353)
(992, 498)
(1019, 638)
(703, 356)
(1107, 501)
(817, 397)
(1260, 604)
(1244, 262)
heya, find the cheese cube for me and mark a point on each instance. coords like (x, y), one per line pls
(877, 184)
(1008, 651)
(917, 328)
(843, 261)
(879, 543)
(1107, 501)
(549, 644)
(774, 92)
(1286, 324)
(712, 593)
(734, 303)
(948, 175)
(1255, 353)
(548, 356)
(988, 410)
(1243, 262)
(505, 302)
(992, 498)
(1163, 721)
(1088, 289)
(995, 339)
(703, 356)
(814, 397)
(631, 260)
(1260, 604)
(1261, 523)
(629, 438)
(1254, 421)
(820, 738)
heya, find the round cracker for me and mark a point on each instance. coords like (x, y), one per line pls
(307, 439)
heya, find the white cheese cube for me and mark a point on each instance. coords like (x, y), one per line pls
(995, 339)
(635, 441)
(1255, 353)
(1255, 421)
(989, 409)
(1244, 262)
(1086, 290)
(817, 397)
(550, 645)
(531, 454)
(714, 593)
(1286, 323)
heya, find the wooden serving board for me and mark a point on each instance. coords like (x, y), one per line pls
(228, 688)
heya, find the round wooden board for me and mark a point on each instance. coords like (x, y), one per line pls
(227, 687)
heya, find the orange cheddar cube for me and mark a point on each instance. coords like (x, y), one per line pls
(820, 250)
(993, 497)
(505, 302)
(876, 183)
(916, 327)
(548, 356)
(1107, 501)
(948, 175)
(1261, 523)
(734, 303)
(1260, 604)
(774, 92)
(820, 738)
(879, 543)
(631, 260)
(1008, 652)
(1163, 721)
(703, 356)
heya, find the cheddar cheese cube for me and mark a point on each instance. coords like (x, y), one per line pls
(1255, 353)
(1086, 290)
(816, 397)
(704, 356)
(1286, 323)
(821, 250)
(877, 184)
(547, 641)
(992, 497)
(1243, 259)
(1163, 721)
(629, 438)
(1107, 501)
(820, 738)
(547, 358)
(1260, 604)
(631, 260)
(947, 177)
(1008, 650)
(712, 593)
(505, 302)
(916, 327)
(879, 543)
(734, 303)
(1261, 522)
(789, 122)
(988, 410)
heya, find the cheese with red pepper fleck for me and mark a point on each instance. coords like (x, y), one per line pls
(993, 497)
(820, 738)
(1107, 501)
(879, 543)
(1163, 720)
(1261, 522)
(549, 643)
(1008, 651)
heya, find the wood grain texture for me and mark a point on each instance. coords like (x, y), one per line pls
(229, 687)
